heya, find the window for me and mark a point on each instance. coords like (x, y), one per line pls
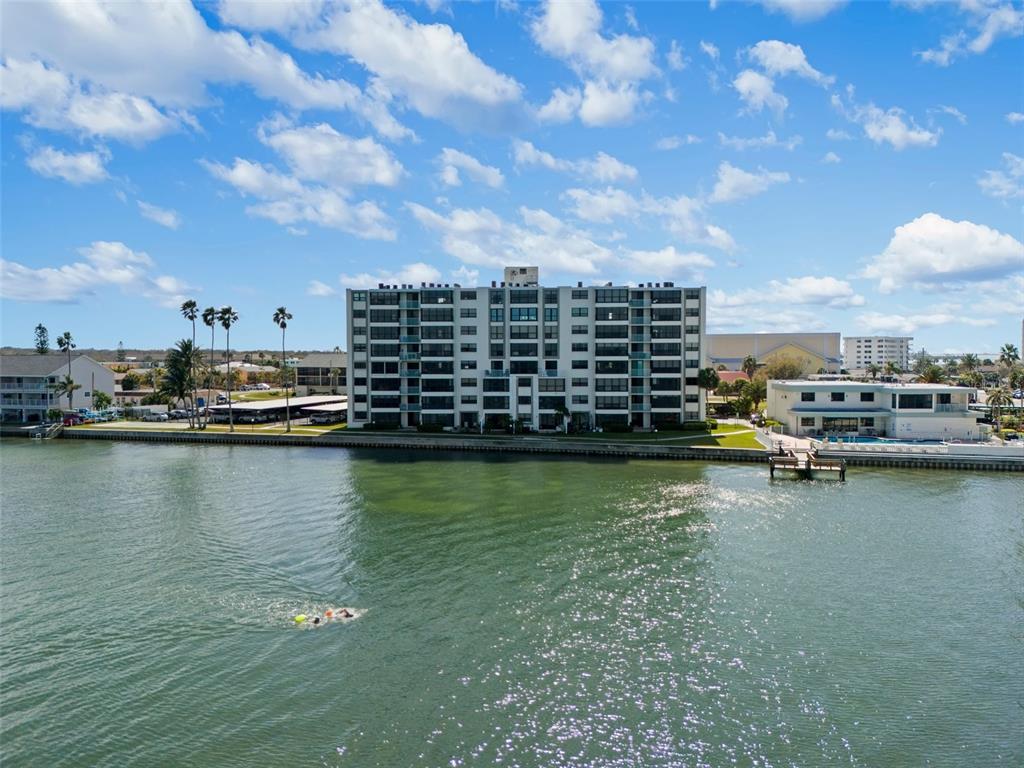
(611, 350)
(436, 314)
(612, 313)
(550, 331)
(666, 297)
(384, 332)
(466, 330)
(523, 382)
(523, 314)
(944, 398)
(383, 315)
(550, 295)
(611, 366)
(523, 366)
(520, 349)
(692, 312)
(838, 397)
(524, 400)
(438, 367)
(467, 312)
(580, 365)
(551, 402)
(467, 365)
(611, 331)
(580, 382)
(915, 401)
(666, 314)
(611, 385)
(580, 311)
(551, 385)
(551, 350)
(522, 297)
(467, 382)
(867, 397)
(468, 400)
(806, 421)
(437, 350)
(580, 293)
(468, 296)
(611, 403)
(359, 314)
(497, 332)
(522, 332)
(437, 385)
(436, 331)
(666, 401)
(580, 346)
(467, 348)
(497, 315)
(497, 350)
(611, 295)
(867, 421)
(358, 347)
(384, 298)
(435, 297)
(358, 295)
(580, 399)
(806, 397)
(496, 385)
(497, 297)
(550, 314)
(692, 293)
(384, 350)
(496, 403)
(579, 329)
(838, 424)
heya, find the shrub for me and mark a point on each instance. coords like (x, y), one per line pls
(711, 424)
(725, 410)
(616, 428)
(430, 428)
(381, 426)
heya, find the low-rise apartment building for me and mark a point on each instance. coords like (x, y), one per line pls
(27, 381)
(908, 411)
(321, 372)
(861, 351)
(451, 356)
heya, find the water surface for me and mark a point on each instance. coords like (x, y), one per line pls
(521, 612)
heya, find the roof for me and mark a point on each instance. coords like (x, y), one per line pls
(324, 360)
(328, 407)
(279, 403)
(35, 365)
(238, 365)
(868, 385)
(730, 377)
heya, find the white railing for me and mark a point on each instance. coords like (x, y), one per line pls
(945, 449)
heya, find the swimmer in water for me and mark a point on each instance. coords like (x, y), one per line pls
(317, 621)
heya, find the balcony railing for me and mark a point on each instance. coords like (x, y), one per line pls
(639, 390)
(640, 320)
(409, 304)
(23, 387)
(639, 302)
(410, 390)
(640, 337)
(410, 321)
(950, 408)
(409, 339)
(411, 407)
(639, 371)
(409, 356)
(496, 374)
(640, 355)
(639, 407)
(408, 374)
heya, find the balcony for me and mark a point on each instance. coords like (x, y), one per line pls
(498, 374)
(950, 408)
(639, 390)
(639, 371)
(414, 321)
(639, 355)
(640, 320)
(639, 303)
(410, 390)
(408, 374)
(640, 337)
(409, 356)
(409, 305)
(411, 407)
(410, 339)
(635, 407)
(23, 387)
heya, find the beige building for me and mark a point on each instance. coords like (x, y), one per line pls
(817, 351)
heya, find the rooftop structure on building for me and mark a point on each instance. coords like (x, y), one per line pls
(516, 351)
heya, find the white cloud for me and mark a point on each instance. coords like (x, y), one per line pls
(287, 201)
(932, 252)
(319, 289)
(758, 92)
(760, 142)
(603, 206)
(1015, 118)
(429, 67)
(561, 107)
(320, 153)
(779, 59)
(810, 290)
(886, 126)
(246, 14)
(674, 142)
(735, 183)
(105, 264)
(674, 57)
(710, 50)
(945, 109)
(878, 322)
(602, 167)
(452, 161)
(610, 68)
(803, 10)
(413, 274)
(837, 135)
(73, 167)
(481, 238)
(987, 20)
(831, 158)
(667, 262)
(1005, 183)
(130, 69)
(165, 217)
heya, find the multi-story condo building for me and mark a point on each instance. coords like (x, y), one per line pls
(861, 351)
(518, 351)
(27, 382)
(908, 411)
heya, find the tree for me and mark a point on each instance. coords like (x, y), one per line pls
(892, 368)
(563, 413)
(66, 386)
(66, 343)
(190, 311)
(931, 374)
(755, 391)
(335, 373)
(178, 383)
(1016, 377)
(724, 389)
(921, 361)
(997, 399)
(781, 367)
(101, 400)
(120, 352)
(210, 320)
(749, 366)
(874, 369)
(1009, 355)
(969, 362)
(971, 379)
(228, 317)
(281, 318)
(156, 373)
(130, 382)
(42, 340)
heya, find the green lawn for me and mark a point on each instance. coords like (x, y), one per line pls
(668, 437)
(725, 440)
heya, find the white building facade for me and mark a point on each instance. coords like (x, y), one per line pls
(454, 357)
(27, 381)
(847, 408)
(861, 351)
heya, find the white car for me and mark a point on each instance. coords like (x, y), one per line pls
(155, 417)
(263, 387)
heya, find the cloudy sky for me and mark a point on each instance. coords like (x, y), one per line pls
(856, 167)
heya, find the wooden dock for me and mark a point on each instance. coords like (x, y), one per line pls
(806, 464)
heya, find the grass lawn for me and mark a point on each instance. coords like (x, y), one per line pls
(683, 437)
(726, 440)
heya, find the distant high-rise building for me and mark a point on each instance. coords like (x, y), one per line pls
(861, 351)
(451, 356)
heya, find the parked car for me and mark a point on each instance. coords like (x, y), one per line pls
(263, 387)
(326, 418)
(177, 413)
(222, 399)
(72, 419)
(155, 417)
(1018, 394)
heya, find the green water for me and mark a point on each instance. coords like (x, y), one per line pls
(513, 612)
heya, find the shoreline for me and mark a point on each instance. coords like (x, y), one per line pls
(535, 445)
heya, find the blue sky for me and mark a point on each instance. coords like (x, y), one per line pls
(853, 167)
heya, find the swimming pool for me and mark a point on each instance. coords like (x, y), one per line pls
(881, 440)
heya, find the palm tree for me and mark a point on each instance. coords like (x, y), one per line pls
(65, 386)
(228, 317)
(1008, 355)
(749, 366)
(932, 374)
(178, 383)
(892, 368)
(874, 369)
(335, 373)
(969, 362)
(190, 311)
(281, 318)
(65, 343)
(210, 320)
(997, 399)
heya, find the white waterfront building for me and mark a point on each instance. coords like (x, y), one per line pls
(454, 356)
(861, 351)
(27, 382)
(908, 411)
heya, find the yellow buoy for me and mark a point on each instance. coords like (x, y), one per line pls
(300, 618)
